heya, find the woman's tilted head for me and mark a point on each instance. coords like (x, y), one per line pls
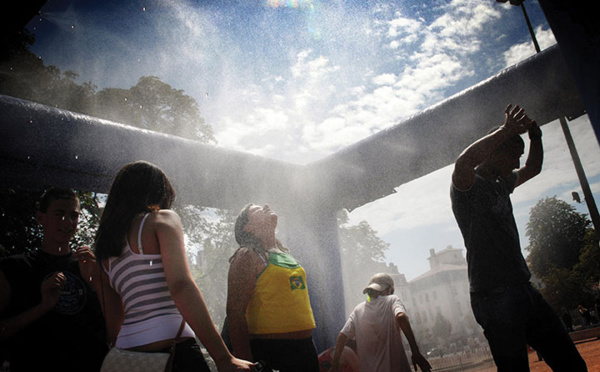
(243, 237)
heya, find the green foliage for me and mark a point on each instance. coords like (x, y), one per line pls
(363, 254)
(589, 262)
(154, 105)
(556, 232)
(564, 252)
(210, 243)
(20, 232)
(150, 104)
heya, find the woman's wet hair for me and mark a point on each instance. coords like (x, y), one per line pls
(246, 239)
(139, 187)
(243, 237)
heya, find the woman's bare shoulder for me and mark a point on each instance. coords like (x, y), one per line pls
(165, 218)
(246, 257)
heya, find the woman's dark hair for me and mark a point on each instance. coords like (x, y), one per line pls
(139, 187)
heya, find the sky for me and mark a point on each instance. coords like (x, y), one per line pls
(298, 80)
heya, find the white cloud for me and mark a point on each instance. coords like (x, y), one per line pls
(365, 102)
(519, 52)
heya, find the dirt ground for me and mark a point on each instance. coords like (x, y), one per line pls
(589, 350)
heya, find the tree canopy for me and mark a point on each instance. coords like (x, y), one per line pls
(363, 254)
(564, 252)
(150, 104)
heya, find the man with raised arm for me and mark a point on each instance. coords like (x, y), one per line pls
(513, 314)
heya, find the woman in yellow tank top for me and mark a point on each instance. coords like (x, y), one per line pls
(268, 309)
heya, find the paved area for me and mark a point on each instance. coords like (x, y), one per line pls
(589, 350)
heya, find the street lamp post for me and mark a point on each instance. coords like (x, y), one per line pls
(585, 187)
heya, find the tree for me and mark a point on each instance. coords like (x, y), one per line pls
(210, 243)
(556, 235)
(589, 262)
(154, 105)
(564, 252)
(150, 104)
(24, 75)
(362, 254)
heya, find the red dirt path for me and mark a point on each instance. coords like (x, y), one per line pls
(589, 350)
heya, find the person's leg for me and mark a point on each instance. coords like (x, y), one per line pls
(503, 317)
(547, 335)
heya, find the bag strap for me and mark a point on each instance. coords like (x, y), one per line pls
(110, 345)
(169, 365)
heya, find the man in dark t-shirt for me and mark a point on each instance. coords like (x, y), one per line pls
(512, 313)
(50, 315)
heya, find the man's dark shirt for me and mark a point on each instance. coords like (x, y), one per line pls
(485, 217)
(71, 336)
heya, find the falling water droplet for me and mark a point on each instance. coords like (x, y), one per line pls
(76, 157)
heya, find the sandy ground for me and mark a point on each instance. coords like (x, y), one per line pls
(589, 350)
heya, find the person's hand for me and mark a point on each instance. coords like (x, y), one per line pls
(419, 360)
(512, 2)
(51, 287)
(235, 365)
(87, 262)
(516, 121)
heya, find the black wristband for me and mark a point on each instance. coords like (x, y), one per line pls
(535, 134)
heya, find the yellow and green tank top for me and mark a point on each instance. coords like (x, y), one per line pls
(280, 301)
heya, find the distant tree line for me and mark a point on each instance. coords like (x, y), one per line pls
(150, 104)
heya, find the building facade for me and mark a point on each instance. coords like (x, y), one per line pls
(438, 301)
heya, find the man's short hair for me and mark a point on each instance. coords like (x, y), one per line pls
(515, 140)
(53, 194)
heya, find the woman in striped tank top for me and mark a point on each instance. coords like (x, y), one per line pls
(148, 288)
